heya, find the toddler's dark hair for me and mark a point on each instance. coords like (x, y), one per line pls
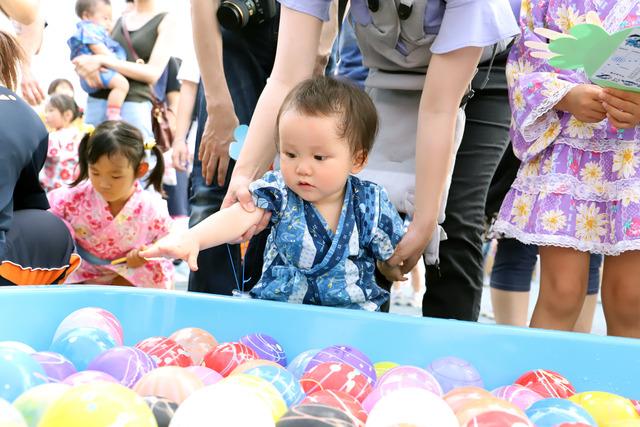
(64, 103)
(326, 96)
(53, 86)
(83, 6)
(117, 137)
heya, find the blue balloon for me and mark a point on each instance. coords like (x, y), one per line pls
(82, 345)
(283, 380)
(18, 373)
(298, 365)
(554, 411)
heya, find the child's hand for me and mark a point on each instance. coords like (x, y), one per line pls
(622, 107)
(172, 246)
(392, 274)
(585, 103)
(134, 260)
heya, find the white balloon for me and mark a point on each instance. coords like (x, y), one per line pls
(224, 405)
(412, 406)
(10, 416)
(17, 345)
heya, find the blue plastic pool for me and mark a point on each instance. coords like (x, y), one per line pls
(500, 353)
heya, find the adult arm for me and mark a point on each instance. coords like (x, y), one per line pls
(184, 114)
(23, 11)
(30, 38)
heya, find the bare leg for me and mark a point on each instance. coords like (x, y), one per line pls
(119, 89)
(510, 307)
(563, 285)
(621, 294)
(585, 320)
(121, 281)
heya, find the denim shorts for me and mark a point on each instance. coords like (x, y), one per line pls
(514, 263)
(105, 78)
(136, 113)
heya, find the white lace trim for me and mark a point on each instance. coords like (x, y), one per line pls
(538, 121)
(604, 191)
(502, 228)
(596, 145)
(617, 14)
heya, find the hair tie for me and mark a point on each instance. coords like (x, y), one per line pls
(149, 144)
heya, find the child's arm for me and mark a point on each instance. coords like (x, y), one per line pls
(224, 226)
(100, 49)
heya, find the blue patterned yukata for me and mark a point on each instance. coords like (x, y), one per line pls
(306, 262)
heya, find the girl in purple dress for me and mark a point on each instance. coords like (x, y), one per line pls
(578, 189)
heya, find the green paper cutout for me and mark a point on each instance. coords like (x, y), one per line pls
(610, 60)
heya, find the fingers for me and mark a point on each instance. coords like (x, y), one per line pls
(245, 199)
(396, 258)
(247, 235)
(410, 262)
(223, 164)
(619, 103)
(623, 94)
(192, 262)
(209, 167)
(151, 252)
(619, 119)
(264, 222)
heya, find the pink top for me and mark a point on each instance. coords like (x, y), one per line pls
(62, 158)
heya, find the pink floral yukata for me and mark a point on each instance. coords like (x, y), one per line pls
(579, 183)
(143, 220)
(60, 168)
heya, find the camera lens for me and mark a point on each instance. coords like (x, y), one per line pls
(235, 14)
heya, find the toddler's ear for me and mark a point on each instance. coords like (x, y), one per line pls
(359, 161)
(142, 169)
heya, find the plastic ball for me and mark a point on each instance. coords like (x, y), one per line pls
(520, 396)
(553, 411)
(283, 380)
(82, 345)
(339, 400)
(163, 409)
(491, 404)
(104, 404)
(206, 375)
(56, 366)
(228, 405)
(382, 367)
(547, 383)
(261, 388)
(171, 382)
(462, 396)
(315, 416)
(34, 402)
(244, 367)
(18, 373)
(126, 364)
(636, 404)
(17, 345)
(196, 341)
(347, 355)
(266, 348)
(412, 406)
(87, 377)
(92, 317)
(497, 419)
(606, 408)
(298, 366)
(165, 352)
(10, 417)
(452, 372)
(336, 376)
(226, 357)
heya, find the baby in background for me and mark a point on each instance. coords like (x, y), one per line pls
(92, 37)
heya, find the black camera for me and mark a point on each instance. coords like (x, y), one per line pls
(236, 14)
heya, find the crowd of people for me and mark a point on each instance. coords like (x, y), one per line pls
(380, 134)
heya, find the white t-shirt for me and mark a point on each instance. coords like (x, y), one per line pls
(189, 70)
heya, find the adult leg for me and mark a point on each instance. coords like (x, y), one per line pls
(564, 275)
(454, 288)
(621, 294)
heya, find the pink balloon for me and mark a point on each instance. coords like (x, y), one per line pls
(520, 396)
(84, 377)
(207, 375)
(92, 317)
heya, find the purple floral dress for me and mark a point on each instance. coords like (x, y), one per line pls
(579, 183)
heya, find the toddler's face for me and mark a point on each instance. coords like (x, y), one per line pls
(102, 15)
(112, 177)
(314, 160)
(54, 118)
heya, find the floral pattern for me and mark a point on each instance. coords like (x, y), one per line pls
(60, 168)
(579, 183)
(143, 220)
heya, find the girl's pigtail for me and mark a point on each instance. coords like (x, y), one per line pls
(155, 177)
(83, 163)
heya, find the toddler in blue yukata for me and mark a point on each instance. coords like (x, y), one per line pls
(328, 228)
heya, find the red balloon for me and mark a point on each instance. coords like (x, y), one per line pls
(224, 358)
(165, 352)
(498, 419)
(339, 400)
(338, 377)
(547, 383)
(636, 404)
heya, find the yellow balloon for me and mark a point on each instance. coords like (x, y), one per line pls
(608, 409)
(99, 404)
(260, 388)
(382, 367)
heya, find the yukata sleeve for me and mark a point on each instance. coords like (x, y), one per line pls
(270, 193)
(59, 201)
(535, 87)
(388, 227)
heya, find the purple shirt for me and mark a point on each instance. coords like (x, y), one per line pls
(458, 23)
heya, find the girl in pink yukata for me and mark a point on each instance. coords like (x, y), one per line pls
(64, 139)
(110, 214)
(578, 188)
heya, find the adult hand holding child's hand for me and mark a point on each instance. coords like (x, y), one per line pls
(171, 246)
(134, 260)
(238, 192)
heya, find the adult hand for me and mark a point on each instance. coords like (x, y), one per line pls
(584, 102)
(88, 68)
(214, 146)
(174, 246)
(622, 107)
(180, 155)
(30, 88)
(412, 245)
(391, 273)
(238, 192)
